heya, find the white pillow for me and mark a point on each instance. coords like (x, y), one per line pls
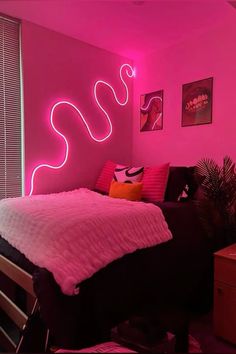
(127, 174)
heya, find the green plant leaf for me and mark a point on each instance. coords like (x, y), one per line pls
(218, 210)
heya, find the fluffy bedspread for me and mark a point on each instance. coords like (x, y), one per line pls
(74, 234)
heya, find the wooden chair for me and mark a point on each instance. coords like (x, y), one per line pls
(22, 320)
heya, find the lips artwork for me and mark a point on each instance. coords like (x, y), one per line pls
(197, 102)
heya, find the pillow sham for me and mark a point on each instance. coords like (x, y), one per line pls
(128, 174)
(194, 184)
(129, 191)
(177, 180)
(182, 184)
(154, 182)
(105, 177)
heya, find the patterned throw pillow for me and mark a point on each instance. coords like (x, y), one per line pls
(128, 174)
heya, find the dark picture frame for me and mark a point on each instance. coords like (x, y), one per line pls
(151, 111)
(197, 102)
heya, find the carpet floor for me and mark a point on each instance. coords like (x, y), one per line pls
(201, 339)
(201, 328)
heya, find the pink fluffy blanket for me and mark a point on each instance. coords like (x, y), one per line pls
(74, 234)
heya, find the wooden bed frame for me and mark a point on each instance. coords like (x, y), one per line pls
(13, 312)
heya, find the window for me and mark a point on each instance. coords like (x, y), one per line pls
(10, 110)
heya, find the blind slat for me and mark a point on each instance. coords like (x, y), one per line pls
(10, 111)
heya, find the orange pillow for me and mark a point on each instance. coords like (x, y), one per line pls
(130, 191)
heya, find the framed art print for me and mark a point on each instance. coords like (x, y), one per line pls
(151, 111)
(197, 102)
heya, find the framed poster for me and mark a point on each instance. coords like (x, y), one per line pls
(151, 111)
(197, 102)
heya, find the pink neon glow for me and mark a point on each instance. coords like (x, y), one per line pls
(129, 71)
(145, 108)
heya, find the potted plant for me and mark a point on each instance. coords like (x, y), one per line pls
(217, 204)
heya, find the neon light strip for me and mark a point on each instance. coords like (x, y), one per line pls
(146, 108)
(130, 73)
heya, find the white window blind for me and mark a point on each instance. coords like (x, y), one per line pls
(10, 110)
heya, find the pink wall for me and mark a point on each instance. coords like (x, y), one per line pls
(211, 54)
(58, 67)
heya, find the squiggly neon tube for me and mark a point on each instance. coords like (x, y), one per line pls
(130, 73)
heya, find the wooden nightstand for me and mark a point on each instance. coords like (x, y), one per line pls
(225, 293)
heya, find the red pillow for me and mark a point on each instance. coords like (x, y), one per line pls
(154, 182)
(106, 176)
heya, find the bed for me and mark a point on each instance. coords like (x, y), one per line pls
(177, 271)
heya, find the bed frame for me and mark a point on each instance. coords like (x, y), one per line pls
(13, 312)
(196, 290)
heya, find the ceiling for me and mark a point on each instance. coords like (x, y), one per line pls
(129, 28)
